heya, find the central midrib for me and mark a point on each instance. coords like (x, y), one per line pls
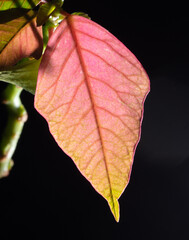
(78, 49)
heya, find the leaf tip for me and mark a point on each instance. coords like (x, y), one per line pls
(114, 207)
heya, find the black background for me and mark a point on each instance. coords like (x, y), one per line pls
(45, 196)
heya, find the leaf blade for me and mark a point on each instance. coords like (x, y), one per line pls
(94, 118)
(20, 38)
(10, 4)
(44, 12)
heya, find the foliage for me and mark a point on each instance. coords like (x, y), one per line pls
(19, 38)
(10, 4)
(90, 88)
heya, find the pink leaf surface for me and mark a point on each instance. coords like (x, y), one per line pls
(91, 91)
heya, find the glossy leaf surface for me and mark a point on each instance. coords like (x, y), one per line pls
(20, 38)
(91, 90)
(27, 4)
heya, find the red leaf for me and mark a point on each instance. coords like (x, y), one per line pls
(91, 90)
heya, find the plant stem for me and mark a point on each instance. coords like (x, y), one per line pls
(17, 116)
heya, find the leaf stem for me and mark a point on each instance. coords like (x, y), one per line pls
(17, 116)
(64, 13)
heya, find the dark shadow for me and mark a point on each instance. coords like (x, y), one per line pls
(156, 201)
(11, 14)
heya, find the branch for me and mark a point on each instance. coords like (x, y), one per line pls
(17, 116)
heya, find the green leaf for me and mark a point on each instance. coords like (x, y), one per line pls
(44, 12)
(23, 74)
(19, 37)
(82, 14)
(50, 11)
(8, 4)
(58, 3)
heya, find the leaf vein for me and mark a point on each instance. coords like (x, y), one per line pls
(117, 116)
(117, 93)
(113, 133)
(76, 125)
(58, 77)
(111, 66)
(52, 52)
(106, 41)
(83, 139)
(90, 92)
(112, 152)
(90, 146)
